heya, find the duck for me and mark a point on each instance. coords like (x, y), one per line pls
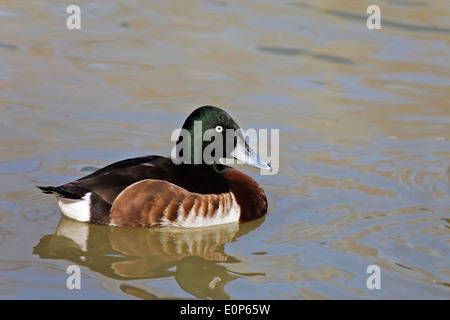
(175, 191)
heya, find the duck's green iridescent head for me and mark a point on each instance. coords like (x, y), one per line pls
(210, 134)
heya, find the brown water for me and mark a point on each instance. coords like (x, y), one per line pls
(364, 121)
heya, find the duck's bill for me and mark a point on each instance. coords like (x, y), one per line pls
(244, 153)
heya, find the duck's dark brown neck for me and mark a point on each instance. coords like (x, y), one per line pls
(249, 195)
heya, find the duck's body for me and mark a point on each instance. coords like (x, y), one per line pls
(154, 191)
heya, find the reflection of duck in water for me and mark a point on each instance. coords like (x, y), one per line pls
(195, 257)
(154, 191)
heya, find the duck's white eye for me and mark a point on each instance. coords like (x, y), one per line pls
(219, 129)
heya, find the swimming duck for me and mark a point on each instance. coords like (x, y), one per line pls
(160, 191)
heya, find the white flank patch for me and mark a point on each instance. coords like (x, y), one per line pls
(78, 209)
(227, 212)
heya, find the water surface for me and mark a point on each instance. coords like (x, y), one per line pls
(364, 145)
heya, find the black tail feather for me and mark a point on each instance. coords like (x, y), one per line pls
(58, 192)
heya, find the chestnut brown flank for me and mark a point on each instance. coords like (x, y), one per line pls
(157, 203)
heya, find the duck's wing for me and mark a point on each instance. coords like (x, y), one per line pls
(109, 181)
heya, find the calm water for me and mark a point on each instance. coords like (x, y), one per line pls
(364, 120)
